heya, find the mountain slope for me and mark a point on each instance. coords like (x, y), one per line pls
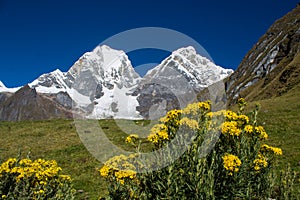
(27, 104)
(271, 67)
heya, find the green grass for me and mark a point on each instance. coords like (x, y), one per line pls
(54, 139)
(281, 118)
(58, 139)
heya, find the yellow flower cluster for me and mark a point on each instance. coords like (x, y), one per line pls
(120, 168)
(175, 118)
(123, 174)
(191, 123)
(232, 116)
(260, 162)
(248, 129)
(40, 169)
(229, 115)
(194, 108)
(241, 102)
(39, 192)
(242, 120)
(65, 177)
(231, 128)
(104, 171)
(158, 132)
(260, 131)
(171, 116)
(41, 176)
(231, 163)
(275, 150)
(8, 165)
(131, 138)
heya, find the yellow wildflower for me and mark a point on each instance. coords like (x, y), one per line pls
(121, 181)
(158, 132)
(120, 168)
(248, 129)
(230, 115)
(25, 162)
(260, 131)
(231, 163)
(121, 174)
(241, 102)
(261, 161)
(242, 120)
(171, 117)
(191, 123)
(153, 138)
(43, 183)
(231, 128)
(204, 105)
(275, 150)
(163, 134)
(196, 108)
(65, 177)
(131, 138)
(210, 115)
(104, 171)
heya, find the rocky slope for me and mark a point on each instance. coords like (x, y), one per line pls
(27, 104)
(272, 66)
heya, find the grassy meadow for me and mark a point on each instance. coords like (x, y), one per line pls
(57, 139)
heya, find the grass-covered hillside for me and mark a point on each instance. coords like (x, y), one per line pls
(58, 139)
(281, 118)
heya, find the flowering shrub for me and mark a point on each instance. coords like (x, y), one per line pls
(225, 157)
(33, 179)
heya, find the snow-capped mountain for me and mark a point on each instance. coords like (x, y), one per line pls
(104, 84)
(99, 84)
(177, 81)
(198, 71)
(51, 83)
(107, 77)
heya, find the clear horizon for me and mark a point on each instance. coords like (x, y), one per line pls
(38, 37)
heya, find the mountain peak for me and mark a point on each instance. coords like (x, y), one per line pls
(2, 85)
(184, 50)
(107, 52)
(57, 71)
(198, 70)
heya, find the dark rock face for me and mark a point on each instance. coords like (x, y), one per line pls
(64, 99)
(27, 104)
(155, 100)
(257, 77)
(4, 96)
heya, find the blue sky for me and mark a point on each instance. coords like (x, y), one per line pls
(37, 36)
